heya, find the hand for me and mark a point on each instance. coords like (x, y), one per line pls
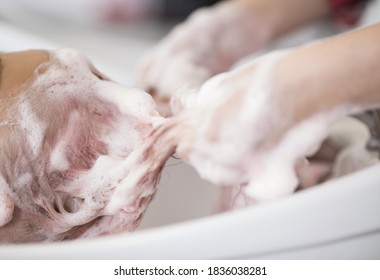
(209, 42)
(255, 125)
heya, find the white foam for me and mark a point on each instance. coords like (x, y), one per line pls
(33, 127)
(231, 151)
(130, 101)
(6, 203)
(125, 192)
(133, 101)
(121, 141)
(58, 159)
(24, 180)
(112, 184)
(234, 159)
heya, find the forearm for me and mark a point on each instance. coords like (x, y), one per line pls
(282, 16)
(344, 70)
(360, 80)
(259, 22)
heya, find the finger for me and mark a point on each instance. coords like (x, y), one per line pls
(327, 152)
(183, 99)
(315, 173)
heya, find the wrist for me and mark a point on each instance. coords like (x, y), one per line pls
(333, 74)
(307, 84)
(280, 17)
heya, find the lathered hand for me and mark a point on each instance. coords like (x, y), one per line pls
(209, 42)
(252, 127)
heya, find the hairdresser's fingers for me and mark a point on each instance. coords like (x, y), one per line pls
(327, 152)
(193, 52)
(315, 173)
(162, 78)
(317, 168)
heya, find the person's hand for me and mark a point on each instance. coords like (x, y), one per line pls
(209, 42)
(256, 125)
(214, 38)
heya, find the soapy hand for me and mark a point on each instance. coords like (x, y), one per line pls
(250, 127)
(209, 42)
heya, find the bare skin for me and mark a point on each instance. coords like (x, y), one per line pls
(17, 68)
(347, 69)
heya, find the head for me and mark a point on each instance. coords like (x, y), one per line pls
(70, 140)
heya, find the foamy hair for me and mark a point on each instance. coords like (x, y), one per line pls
(84, 155)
